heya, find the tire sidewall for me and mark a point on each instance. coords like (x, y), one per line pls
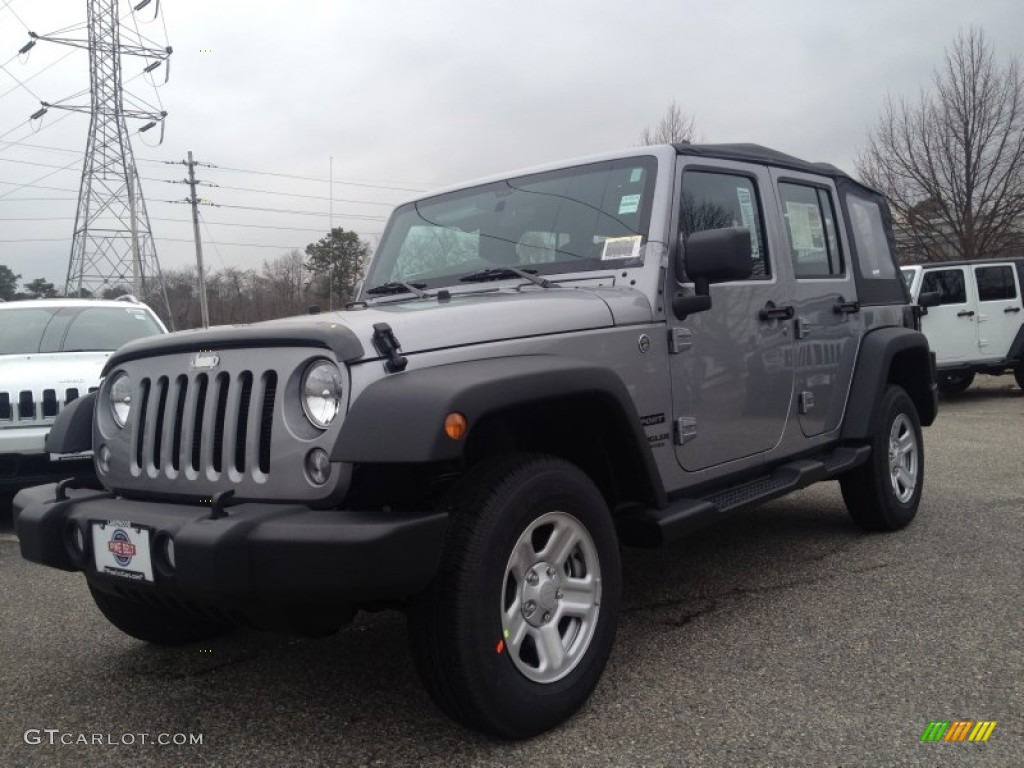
(897, 514)
(530, 707)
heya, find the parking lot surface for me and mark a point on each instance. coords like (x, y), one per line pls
(783, 636)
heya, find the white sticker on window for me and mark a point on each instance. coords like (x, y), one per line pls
(635, 175)
(805, 226)
(749, 220)
(621, 248)
(629, 204)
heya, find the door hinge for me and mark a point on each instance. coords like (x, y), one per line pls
(805, 401)
(679, 340)
(802, 328)
(685, 429)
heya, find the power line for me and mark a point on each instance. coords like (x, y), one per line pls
(175, 221)
(10, 75)
(294, 176)
(37, 74)
(164, 239)
(7, 5)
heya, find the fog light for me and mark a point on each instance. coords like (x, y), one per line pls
(103, 456)
(169, 552)
(318, 466)
(74, 538)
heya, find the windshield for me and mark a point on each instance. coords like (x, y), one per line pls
(583, 218)
(72, 329)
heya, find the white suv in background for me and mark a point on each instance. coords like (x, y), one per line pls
(974, 319)
(52, 352)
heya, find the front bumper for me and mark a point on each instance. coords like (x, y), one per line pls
(256, 565)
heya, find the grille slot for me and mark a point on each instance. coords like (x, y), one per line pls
(267, 419)
(140, 428)
(181, 385)
(202, 381)
(243, 421)
(222, 383)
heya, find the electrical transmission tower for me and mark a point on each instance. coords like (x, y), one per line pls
(113, 242)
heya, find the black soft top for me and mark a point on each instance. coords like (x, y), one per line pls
(755, 153)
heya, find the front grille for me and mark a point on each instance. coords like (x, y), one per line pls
(25, 407)
(200, 424)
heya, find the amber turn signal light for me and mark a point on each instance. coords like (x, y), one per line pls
(455, 425)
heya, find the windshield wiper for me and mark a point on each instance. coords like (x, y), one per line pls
(503, 273)
(389, 289)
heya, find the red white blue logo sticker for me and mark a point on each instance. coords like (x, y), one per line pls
(121, 547)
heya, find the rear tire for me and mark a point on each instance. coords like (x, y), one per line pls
(154, 625)
(884, 493)
(515, 631)
(1018, 374)
(955, 383)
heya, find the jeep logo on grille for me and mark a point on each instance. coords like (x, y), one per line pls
(204, 361)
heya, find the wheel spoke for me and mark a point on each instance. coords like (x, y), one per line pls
(549, 647)
(579, 596)
(905, 479)
(516, 627)
(906, 442)
(560, 545)
(522, 558)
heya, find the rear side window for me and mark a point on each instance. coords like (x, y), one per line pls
(811, 230)
(948, 283)
(720, 200)
(995, 283)
(873, 254)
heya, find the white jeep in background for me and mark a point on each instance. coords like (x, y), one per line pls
(51, 353)
(973, 318)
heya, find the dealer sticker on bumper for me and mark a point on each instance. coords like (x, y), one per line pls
(122, 549)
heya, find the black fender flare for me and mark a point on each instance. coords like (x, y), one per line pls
(72, 429)
(874, 368)
(400, 418)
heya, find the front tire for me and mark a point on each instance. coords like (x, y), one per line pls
(516, 629)
(153, 625)
(884, 493)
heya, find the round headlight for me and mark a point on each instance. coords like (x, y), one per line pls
(321, 393)
(120, 396)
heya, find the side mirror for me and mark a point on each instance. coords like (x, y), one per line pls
(711, 256)
(930, 299)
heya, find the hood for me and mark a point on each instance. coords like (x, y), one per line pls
(418, 324)
(477, 318)
(59, 371)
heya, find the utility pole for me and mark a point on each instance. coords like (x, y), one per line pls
(194, 200)
(112, 240)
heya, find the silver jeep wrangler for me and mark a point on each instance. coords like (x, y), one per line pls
(538, 369)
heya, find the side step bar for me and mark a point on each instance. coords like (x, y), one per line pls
(647, 527)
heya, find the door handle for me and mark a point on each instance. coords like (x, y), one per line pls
(842, 307)
(965, 313)
(1012, 309)
(771, 312)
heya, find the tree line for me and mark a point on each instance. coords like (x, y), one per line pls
(290, 284)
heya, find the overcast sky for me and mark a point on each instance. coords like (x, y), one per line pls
(420, 94)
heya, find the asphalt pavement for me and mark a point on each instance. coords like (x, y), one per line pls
(782, 637)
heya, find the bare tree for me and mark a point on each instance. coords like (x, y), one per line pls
(675, 127)
(952, 162)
